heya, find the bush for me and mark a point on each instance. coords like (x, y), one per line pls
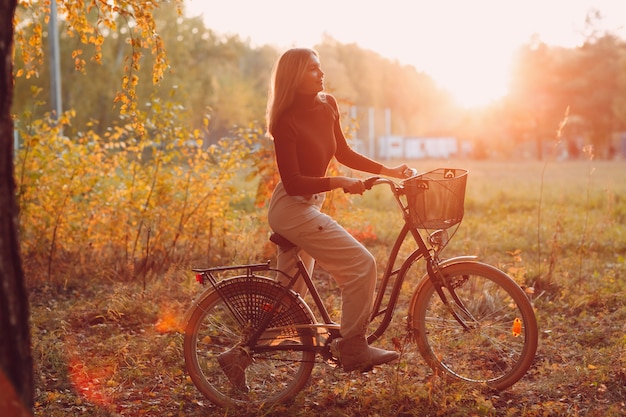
(124, 204)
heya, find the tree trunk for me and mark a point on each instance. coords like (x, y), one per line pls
(16, 363)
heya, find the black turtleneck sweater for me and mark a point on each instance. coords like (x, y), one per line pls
(306, 137)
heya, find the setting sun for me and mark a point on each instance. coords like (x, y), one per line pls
(474, 85)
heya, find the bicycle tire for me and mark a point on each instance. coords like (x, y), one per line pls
(274, 375)
(502, 341)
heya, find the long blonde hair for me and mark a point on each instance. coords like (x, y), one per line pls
(286, 77)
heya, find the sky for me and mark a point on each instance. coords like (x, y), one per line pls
(466, 46)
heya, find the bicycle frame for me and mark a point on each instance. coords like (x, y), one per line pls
(423, 251)
(433, 264)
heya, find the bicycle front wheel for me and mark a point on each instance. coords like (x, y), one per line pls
(279, 364)
(493, 339)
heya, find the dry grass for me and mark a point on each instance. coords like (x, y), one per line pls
(114, 349)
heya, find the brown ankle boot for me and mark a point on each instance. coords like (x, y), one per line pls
(234, 363)
(355, 354)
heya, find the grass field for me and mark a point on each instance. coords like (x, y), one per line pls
(115, 348)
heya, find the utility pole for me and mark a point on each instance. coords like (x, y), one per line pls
(388, 122)
(55, 64)
(372, 133)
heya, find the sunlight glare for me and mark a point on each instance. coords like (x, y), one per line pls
(471, 60)
(475, 85)
(169, 321)
(90, 381)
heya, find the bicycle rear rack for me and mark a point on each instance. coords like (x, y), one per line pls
(202, 273)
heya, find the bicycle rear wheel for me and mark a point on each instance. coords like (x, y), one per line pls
(225, 318)
(499, 341)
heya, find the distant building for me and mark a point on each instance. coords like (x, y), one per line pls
(398, 147)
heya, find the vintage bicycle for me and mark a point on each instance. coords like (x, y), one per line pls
(471, 321)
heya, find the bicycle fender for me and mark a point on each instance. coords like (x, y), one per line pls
(425, 279)
(197, 300)
(456, 259)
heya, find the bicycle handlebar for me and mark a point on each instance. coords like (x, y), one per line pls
(371, 181)
(376, 180)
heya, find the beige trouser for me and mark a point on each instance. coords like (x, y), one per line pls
(323, 240)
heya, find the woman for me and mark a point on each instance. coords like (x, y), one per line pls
(305, 126)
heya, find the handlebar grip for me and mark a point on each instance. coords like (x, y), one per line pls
(369, 183)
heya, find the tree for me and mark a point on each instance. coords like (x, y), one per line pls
(86, 21)
(16, 363)
(207, 73)
(599, 61)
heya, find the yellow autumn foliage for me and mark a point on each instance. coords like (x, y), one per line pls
(123, 204)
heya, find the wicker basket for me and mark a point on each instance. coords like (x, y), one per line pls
(436, 198)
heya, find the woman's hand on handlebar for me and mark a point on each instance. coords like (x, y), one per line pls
(349, 185)
(356, 186)
(401, 171)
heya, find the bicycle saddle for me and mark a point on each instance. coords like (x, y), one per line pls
(282, 242)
